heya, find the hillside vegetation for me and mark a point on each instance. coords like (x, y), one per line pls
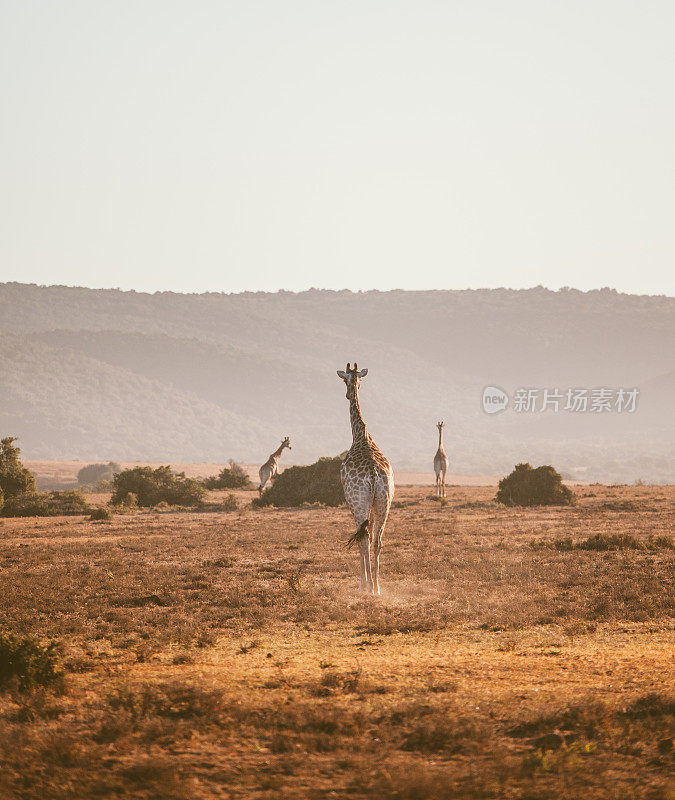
(105, 374)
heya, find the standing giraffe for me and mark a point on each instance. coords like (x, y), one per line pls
(269, 470)
(440, 462)
(368, 482)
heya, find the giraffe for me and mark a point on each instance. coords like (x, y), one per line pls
(440, 462)
(269, 470)
(368, 482)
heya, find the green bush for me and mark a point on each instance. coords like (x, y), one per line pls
(93, 473)
(317, 483)
(26, 664)
(232, 477)
(101, 515)
(46, 504)
(15, 479)
(527, 486)
(151, 486)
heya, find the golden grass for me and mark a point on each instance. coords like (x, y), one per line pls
(229, 654)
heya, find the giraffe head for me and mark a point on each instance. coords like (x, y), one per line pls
(286, 443)
(440, 425)
(352, 377)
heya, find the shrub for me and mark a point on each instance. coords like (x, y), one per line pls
(93, 473)
(26, 664)
(151, 486)
(100, 515)
(46, 504)
(15, 479)
(232, 477)
(606, 541)
(230, 503)
(317, 483)
(527, 486)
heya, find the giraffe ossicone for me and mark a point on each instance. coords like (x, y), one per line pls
(270, 469)
(368, 483)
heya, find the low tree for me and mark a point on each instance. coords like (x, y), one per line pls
(15, 479)
(152, 486)
(232, 477)
(529, 486)
(94, 473)
(316, 483)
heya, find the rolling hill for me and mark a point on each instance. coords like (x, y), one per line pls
(98, 374)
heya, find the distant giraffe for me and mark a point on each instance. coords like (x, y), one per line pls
(269, 470)
(368, 482)
(440, 462)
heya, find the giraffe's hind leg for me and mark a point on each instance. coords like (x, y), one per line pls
(359, 490)
(380, 513)
(362, 538)
(262, 474)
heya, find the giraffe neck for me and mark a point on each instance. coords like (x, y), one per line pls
(358, 425)
(275, 455)
(440, 438)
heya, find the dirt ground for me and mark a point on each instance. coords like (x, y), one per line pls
(514, 653)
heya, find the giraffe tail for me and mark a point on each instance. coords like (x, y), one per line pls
(360, 535)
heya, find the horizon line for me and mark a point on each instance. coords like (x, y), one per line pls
(560, 289)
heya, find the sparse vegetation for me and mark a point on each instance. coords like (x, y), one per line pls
(316, 483)
(528, 486)
(604, 542)
(235, 649)
(152, 486)
(230, 502)
(232, 477)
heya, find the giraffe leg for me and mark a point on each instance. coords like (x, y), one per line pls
(377, 547)
(358, 491)
(366, 583)
(443, 483)
(380, 513)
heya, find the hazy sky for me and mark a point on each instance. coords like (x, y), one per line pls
(262, 145)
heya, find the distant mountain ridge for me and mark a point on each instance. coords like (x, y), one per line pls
(97, 374)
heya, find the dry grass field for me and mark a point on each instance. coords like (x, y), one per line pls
(63, 474)
(514, 653)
